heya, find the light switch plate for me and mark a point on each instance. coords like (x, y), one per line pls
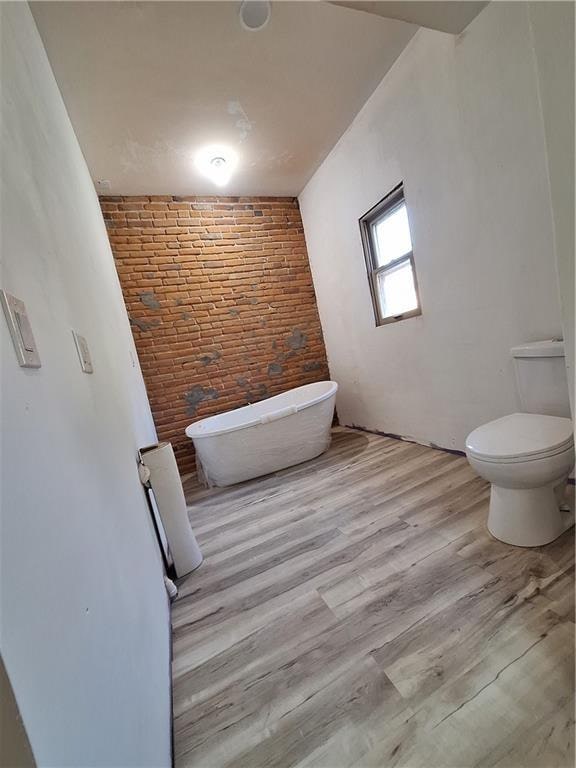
(83, 353)
(20, 330)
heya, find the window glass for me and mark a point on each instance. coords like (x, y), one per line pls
(392, 236)
(396, 290)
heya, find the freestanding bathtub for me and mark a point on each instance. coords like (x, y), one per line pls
(264, 437)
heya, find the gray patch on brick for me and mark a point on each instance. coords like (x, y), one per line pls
(144, 325)
(259, 393)
(274, 345)
(211, 357)
(253, 394)
(179, 302)
(234, 312)
(315, 365)
(185, 315)
(297, 339)
(197, 395)
(275, 369)
(263, 323)
(149, 300)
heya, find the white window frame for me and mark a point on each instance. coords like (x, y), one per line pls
(386, 206)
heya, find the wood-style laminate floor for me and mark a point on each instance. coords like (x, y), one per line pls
(354, 611)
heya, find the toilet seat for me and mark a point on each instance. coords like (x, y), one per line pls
(520, 437)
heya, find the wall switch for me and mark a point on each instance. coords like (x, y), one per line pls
(83, 353)
(20, 331)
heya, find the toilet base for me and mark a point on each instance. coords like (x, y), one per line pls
(528, 517)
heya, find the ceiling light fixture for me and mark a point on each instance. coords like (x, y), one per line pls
(217, 163)
(255, 14)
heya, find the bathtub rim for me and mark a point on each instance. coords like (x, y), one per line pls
(332, 390)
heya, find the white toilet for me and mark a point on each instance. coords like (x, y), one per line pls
(527, 457)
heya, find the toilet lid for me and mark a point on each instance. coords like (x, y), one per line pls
(521, 436)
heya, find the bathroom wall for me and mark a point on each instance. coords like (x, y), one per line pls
(84, 633)
(220, 297)
(553, 37)
(458, 119)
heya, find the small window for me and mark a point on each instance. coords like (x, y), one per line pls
(389, 259)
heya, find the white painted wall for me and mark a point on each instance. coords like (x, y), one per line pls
(458, 120)
(553, 36)
(84, 615)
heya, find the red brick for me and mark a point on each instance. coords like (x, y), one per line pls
(226, 280)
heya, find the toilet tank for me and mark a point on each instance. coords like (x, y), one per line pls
(541, 378)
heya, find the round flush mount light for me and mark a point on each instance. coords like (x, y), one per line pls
(255, 14)
(216, 163)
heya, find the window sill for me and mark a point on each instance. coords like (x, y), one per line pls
(398, 318)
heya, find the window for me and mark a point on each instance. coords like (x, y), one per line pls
(389, 259)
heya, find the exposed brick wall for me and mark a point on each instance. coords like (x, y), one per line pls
(220, 298)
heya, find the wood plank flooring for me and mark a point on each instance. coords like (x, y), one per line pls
(354, 611)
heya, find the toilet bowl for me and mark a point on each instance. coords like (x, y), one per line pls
(527, 458)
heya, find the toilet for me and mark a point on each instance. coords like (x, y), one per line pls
(527, 457)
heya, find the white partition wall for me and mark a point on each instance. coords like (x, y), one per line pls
(84, 622)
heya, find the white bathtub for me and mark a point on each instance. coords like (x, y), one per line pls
(264, 437)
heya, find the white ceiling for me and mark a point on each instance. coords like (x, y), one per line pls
(146, 84)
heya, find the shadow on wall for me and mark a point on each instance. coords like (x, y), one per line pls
(221, 302)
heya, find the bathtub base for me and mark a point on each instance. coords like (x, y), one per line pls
(239, 475)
